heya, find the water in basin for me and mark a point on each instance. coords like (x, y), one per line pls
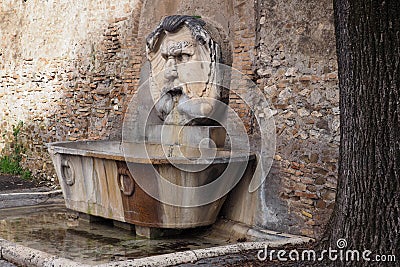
(58, 231)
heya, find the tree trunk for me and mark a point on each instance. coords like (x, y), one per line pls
(368, 193)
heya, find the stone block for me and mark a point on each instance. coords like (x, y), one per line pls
(306, 195)
(194, 136)
(148, 232)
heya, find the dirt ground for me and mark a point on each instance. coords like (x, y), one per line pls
(10, 183)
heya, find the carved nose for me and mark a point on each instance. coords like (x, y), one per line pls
(170, 72)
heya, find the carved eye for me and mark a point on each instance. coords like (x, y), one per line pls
(182, 58)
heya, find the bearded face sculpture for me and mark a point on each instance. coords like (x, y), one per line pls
(184, 75)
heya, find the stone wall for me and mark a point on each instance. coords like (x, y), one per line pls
(68, 70)
(297, 69)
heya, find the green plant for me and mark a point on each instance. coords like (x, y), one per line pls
(10, 163)
(26, 175)
(9, 166)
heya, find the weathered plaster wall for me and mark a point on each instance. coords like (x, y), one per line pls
(65, 68)
(68, 69)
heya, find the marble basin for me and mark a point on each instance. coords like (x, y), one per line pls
(95, 179)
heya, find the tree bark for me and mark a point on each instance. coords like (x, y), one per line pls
(368, 193)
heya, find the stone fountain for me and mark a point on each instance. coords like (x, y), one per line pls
(180, 154)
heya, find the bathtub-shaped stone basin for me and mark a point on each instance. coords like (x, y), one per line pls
(100, 178)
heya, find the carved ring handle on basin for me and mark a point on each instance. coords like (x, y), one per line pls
(125, 182)
(67, 172)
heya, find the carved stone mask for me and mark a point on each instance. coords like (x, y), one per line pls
(183, 71)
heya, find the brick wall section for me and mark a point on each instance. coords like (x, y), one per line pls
(296, 68)
(244, 27)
